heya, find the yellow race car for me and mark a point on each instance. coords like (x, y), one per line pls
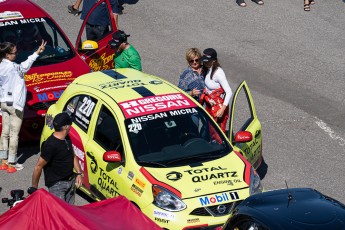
(139, 136)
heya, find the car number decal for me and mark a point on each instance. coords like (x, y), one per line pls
(87, 107)
(134, 128)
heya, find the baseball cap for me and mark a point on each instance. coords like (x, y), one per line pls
(61, 120)
(209, 54)
(119, 37)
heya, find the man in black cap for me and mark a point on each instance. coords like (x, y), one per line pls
(57, 161)
(126, 56)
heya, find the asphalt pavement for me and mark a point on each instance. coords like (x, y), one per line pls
(293, 62)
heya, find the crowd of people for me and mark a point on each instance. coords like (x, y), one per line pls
(203, 79)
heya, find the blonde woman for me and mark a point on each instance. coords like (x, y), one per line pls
(192, 80)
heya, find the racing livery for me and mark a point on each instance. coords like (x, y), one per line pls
(139, 136)
(25, 24)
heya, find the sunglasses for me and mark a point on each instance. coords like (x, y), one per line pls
(15, 53)
(195, 60)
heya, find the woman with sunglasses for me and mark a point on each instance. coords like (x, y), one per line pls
(217, 92)
(192, 79)
(12, 98)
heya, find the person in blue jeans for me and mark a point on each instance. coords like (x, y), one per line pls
(57, 161)
(117, 8)
(97, 25)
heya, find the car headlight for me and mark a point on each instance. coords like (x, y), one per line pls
(166, 200)
(255, 182)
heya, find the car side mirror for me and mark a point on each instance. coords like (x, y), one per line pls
(243, 136)
(112, 156)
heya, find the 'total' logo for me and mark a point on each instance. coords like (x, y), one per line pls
(174, 176)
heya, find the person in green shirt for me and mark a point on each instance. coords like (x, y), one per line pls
(126, 56)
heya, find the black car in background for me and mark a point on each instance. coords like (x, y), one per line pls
(290, 209)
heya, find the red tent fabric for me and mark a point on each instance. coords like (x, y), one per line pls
(42, 210)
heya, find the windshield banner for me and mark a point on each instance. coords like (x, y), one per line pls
(155, 104)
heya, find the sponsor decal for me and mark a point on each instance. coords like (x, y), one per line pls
(103, 62)
(218, 198)
(10, 15)
(122, 83)
(228, 182)
(149, 117)
(251, 146)
(258, 133)
(80, 155)
(93, 163)
(252, 150)
(35, 78)
(182, 111)
(162, 103)
(136, 190)
(49, 121)
(192, 221)
(71, 107)
(140, 183)
(163, 214)
(54, 95)
(14, 16)
(211, 175)
(38, 89)
(119, 171)
(160, 220)
(163, 115)
(130, 175)
(106, 183)
(31, 20)
(155, 82)
(174, 176)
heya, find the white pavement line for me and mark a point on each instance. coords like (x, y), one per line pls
(330, 132)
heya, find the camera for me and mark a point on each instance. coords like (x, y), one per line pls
(17, 195)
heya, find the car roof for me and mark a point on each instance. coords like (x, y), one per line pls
(17, 9)
(126, 84)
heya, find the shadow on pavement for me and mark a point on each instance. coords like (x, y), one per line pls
(27, 150)
(262, 170)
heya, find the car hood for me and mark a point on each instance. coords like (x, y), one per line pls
(224, 174)
(46, 83)
(299, 207)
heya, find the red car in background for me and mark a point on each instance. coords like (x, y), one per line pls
(25, 24)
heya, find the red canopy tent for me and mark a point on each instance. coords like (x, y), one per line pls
(42, 210)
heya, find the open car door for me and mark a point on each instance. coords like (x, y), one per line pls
(245, 128)
(97, 53)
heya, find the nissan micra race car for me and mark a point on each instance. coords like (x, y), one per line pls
(139, 136)
(25, 24)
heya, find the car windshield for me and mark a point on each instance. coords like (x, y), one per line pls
(27, 35)
(176, 137)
